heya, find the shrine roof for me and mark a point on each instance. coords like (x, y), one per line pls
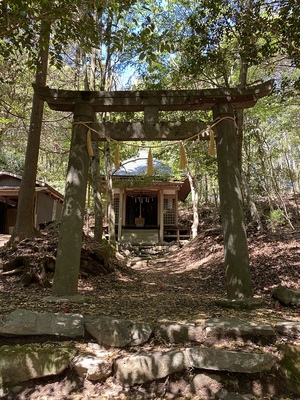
(137, 165)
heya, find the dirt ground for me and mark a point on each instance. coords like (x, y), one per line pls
(181, 286)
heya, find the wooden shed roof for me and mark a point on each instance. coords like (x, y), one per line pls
(10, 186)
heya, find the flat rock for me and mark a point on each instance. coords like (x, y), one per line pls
(286, 296)
(118, 332)
(241, 304)
(231, 361)
(235, 328)
(93, 367)
(288, 328)
(206, 386)
(24, 322)
(234, 396)
(77, 298)
(290, 366)
(149, 366)
(22, 363)
(180, 333)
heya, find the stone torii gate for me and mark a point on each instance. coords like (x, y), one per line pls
(84, 105)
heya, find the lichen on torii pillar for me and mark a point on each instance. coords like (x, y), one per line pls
(70, 240)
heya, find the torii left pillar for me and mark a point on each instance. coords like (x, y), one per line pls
(70, 240)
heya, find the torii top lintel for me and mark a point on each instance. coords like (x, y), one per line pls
(163, 100)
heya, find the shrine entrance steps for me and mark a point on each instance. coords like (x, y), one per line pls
(142, 253)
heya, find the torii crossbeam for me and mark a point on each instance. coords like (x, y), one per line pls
(84, 105)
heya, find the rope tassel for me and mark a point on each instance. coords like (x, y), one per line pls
(150, 169)
(211, 150)
(183, 158)
(89, 143)
(117, 157)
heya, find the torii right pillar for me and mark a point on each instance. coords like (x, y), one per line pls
(238, 277)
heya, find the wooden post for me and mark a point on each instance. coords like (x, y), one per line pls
(70, 240)
(238, 278)
(161, 215)
(121, 199)
(176, 208)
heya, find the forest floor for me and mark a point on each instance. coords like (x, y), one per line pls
(181, 286)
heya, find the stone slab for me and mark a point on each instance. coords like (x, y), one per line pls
(22, 363)
(24, 322)
(288, 328)
(235, 328)
(241, 304)
(206, 386)
(290, 366)
(149, 366)
(180, 333)
(93, 367)
(234, 396)
(231, 361)
(286, 296)
(118, 332)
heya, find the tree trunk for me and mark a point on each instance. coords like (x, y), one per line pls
(96, 179)
(240, 136)
(195, 206)
(24, 227)
(238, 278)
(71, 228)
(110, 197)
(253, 209)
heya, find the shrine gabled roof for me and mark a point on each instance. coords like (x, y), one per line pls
(137, 165)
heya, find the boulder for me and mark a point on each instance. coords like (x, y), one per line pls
(93, 367)
(234, 396)
(180, 333)
(241, 304)
(24, 322)
(290, 366)
(286, 296)
(22, 363)
(231, 361)
(236, 329)
(288, 328)
(206, 386)
(117, 332)
(146, 367)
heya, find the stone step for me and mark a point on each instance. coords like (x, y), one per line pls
(138, 369)
(217, 330)
(163, 352)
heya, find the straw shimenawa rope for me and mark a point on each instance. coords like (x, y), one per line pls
(150, 169)
(183, 158)
(117, 157)
(89, 143)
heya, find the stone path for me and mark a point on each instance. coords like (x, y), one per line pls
(3, 239)
(165, 349)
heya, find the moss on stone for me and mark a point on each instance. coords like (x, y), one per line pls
(23, 362)
(290, 365)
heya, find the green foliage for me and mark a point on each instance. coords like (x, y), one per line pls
(276, 219)
(175, 44)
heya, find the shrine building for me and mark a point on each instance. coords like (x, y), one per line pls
(146, 206)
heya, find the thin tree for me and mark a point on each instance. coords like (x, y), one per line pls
(25, 217)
